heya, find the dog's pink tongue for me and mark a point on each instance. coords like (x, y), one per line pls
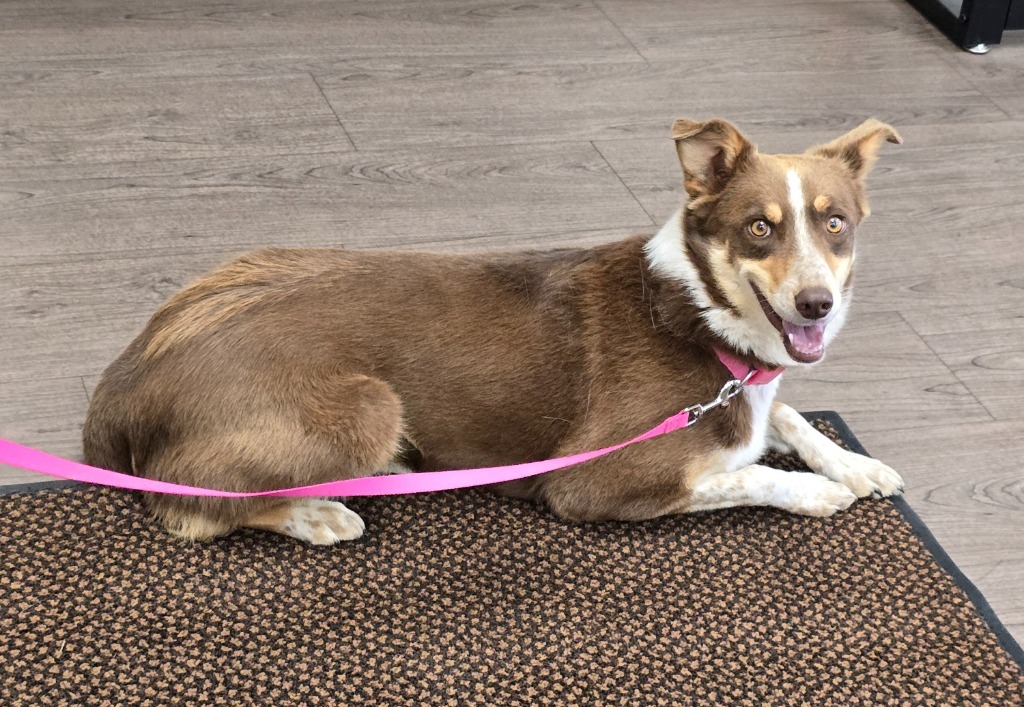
(808, 340)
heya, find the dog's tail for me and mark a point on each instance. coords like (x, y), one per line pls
(105, 441)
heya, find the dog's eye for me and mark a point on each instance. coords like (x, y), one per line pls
(835, 225)
(760, 229)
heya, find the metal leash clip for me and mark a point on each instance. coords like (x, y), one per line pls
(729, 391)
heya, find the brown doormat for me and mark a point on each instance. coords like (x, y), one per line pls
(465, 598)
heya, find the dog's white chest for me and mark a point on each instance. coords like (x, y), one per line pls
(760, 398)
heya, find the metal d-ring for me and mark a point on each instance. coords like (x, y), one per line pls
(730, 390)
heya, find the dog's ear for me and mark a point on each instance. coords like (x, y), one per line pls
(710, 152)
(858, 149)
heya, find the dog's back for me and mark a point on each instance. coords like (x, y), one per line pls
(289, 367)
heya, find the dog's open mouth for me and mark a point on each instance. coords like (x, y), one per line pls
(805, 344)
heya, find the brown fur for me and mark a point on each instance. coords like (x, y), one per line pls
(329, 358)
(699, 253)
(762, 184)
(773, 269)
(293, 367)
(857, 151)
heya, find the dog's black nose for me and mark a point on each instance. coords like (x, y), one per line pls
(814, 302)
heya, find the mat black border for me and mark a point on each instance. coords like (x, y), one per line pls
(923, 534)
(981, 605)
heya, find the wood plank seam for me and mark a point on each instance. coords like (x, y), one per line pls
(946, 365)
(336, 116)
(623, 183)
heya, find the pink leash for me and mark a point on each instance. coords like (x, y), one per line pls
(423, 482)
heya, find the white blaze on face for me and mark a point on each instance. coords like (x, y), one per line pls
(809, 267)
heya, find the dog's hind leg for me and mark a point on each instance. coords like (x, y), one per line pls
(333, 427)
(315, 521)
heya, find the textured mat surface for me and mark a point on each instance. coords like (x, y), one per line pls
(469, 599)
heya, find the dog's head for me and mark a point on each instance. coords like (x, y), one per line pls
(765, 243)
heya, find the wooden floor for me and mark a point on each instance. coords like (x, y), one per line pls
(143, 142)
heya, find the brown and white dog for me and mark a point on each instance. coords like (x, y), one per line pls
(293, 367)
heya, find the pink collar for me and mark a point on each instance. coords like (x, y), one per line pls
(740, 370)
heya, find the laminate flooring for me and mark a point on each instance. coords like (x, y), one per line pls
(144, 142)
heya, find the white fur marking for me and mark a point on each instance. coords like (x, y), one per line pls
(667, 255)
(862, 475)
(756, 485)
(806, 494)
(795, 191)
(809, 269)
(323, 522)
(760, 398)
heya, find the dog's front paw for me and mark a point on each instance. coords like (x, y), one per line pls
(864, 476)
(812, 495)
